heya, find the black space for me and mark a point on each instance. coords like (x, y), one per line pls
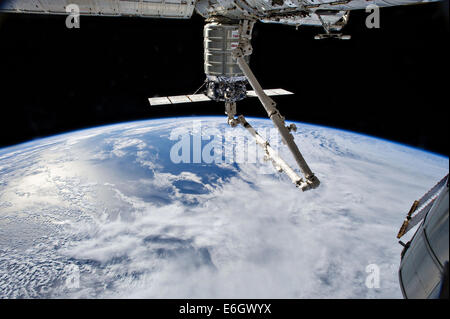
(390, 82)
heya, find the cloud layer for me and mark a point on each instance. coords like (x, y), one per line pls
(110, 202)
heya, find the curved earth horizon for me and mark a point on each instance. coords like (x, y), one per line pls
(117, 212)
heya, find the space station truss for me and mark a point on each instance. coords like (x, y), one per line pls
(177, 9)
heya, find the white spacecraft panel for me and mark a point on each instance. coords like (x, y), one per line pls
(279, 92)
(270, 92)
(181, 9)
(159, 100)
(179, 99)
(202, 97)
(198, 98)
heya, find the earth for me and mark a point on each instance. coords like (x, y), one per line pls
(155, 209)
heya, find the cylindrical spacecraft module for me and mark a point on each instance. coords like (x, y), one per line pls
(224, 79)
